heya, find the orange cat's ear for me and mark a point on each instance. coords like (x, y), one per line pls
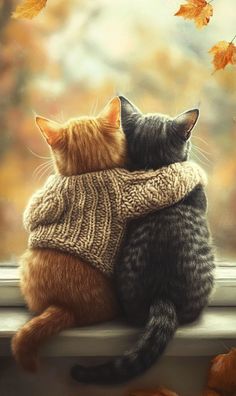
(111, 112)
(51, 130)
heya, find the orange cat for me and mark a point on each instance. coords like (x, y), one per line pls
(64, 290)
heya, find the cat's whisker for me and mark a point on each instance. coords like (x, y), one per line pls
(37, 155)
(41, 168)
(45, 171)
(61, 117)
(39, 176)
(202, 140)
(44, 163)
(38, 168)
(203, 155)
(199, 159)
(201, 149)
(94, 107)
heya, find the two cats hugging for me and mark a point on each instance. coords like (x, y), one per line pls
(120, 228)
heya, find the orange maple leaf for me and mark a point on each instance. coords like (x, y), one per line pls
(29, 9)
(224, 53)
(198, 10)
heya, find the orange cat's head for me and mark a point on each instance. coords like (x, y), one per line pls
(86, 144)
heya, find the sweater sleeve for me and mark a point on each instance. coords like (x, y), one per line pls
(145, 192)
(45, 206)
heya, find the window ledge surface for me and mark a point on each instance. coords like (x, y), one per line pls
(214, 333)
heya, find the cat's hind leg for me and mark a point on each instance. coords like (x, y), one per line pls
(133, 281)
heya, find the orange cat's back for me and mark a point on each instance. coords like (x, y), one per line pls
(49, 276)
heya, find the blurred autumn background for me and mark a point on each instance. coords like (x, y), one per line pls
(76, 55)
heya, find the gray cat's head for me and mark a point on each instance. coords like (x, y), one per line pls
(156, 140)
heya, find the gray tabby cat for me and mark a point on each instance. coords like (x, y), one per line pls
(164, 274)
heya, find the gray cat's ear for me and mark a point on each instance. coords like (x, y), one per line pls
(127, 108)
(184, 123)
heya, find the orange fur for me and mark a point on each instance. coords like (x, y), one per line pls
(222, 375)
(62, 289)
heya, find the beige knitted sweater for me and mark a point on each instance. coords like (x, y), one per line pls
(86, 215)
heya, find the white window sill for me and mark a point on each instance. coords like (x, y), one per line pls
(214, 333)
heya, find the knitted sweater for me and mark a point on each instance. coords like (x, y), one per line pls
(86, 215)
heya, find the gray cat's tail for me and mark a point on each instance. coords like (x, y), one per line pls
(159, 330)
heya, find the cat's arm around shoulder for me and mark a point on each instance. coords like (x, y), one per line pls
(144, 192)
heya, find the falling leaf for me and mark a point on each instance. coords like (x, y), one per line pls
(224, 53)
(29, 9)
(198, 10)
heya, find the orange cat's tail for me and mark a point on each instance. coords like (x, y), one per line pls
(26, 342)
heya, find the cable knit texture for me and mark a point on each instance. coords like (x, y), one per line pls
(86, 215)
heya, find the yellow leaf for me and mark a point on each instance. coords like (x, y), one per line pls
(198, 10)
(204, 17)
(29, 9)
(224, 53)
